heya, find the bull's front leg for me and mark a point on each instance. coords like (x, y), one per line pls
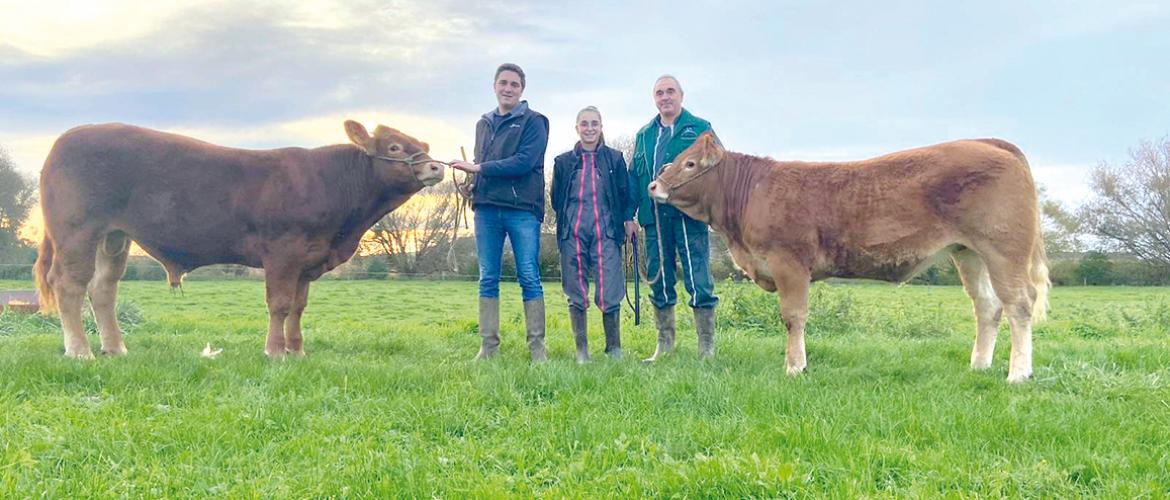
(293, 341)
(792, 286)
(280, 285)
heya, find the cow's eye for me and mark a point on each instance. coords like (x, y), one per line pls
(395, 148)
(690, 164)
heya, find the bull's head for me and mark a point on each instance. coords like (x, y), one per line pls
(395, 154)
(676, 183)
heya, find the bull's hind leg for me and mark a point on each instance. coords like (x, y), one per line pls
(72, 269)
(1009, 278)
(103, 290)
(293, 341)
(988, 308)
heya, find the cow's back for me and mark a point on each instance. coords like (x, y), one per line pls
(880, 217)
(182, 199)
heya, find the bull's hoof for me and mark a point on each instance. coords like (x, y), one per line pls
(299, 353)
(114, 352)
(795, 370)
(81, 355)
(1019, 378)
(979, 363)
(275, 355)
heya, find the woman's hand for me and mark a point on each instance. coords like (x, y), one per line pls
(631, 231)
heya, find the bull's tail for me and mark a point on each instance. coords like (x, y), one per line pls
(1038, 273)
(1038, 262)
(41, 275)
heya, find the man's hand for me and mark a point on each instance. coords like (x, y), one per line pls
(468, 167)
(631, 231)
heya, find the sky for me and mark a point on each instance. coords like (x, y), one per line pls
(1072, 83)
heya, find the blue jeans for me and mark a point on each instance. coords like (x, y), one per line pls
(522, 228)
(684, 241)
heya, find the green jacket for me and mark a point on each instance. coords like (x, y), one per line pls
(687, 129)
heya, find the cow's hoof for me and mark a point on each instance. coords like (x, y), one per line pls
(82, 355)
(115, 351)
(296, 354)
(1019, 378)
(795, 370)
(275, 356)
(980, 363)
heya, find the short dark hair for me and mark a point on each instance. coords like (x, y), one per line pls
(510, 67)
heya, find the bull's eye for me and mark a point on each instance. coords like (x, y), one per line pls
(394, 148)
(690, 164)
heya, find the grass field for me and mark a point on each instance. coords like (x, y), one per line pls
(388, 403)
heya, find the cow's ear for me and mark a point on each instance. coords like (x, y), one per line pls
(426, 148)
(358, 135)
(712, 151)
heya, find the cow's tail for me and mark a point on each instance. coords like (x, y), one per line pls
(41, 275)
(1038, 273)
(1038, 263)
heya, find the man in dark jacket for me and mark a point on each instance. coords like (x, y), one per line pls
(684, 239)
(591, 198)
(508, 199)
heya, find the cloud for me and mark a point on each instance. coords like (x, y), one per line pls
(29, 151)
(1068, 183)
(53, 29)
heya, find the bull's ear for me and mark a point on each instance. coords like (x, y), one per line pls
(358, 135)
(426, 148)
(712, 151)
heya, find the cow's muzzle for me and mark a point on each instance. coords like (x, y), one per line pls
(430, 173)
(657, 190)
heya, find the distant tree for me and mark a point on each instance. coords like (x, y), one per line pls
(625, 144)
(1095, 269)
(17, 197)
(416, 236)
(1131, 208)
(1063, 229)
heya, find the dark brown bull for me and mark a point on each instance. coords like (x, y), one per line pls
(294, 212)
(789, 223)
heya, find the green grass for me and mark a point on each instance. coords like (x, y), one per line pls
(388, 403)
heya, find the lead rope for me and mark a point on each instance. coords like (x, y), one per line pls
(463, 190)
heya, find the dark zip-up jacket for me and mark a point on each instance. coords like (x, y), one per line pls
(511, 159)
(617, 197)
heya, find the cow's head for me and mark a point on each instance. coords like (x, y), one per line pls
(397, 157)
(679, 183)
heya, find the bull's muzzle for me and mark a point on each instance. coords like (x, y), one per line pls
(430, 174)
(657, 191)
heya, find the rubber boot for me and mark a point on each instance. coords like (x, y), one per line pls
(664, 318)
(580, 324)
(705, 326)
(489, 327)
(612, 321)
(534, 323)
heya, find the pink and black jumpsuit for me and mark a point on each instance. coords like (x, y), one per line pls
(590, 196)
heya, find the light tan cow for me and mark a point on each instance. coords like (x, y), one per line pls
(789, 223)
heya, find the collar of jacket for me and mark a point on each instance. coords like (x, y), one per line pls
(519, 110)
(685, 119)
(577, 149)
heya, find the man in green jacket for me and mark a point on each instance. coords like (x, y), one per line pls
(684, 240)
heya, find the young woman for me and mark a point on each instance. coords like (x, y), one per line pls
(594, 210)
